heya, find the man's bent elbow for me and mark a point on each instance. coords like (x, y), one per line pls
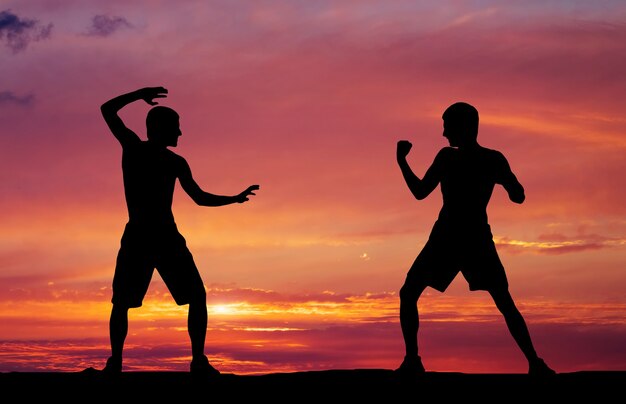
(517, 198)
(105, 110)
(420, 193)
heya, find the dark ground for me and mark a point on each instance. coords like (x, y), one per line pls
(348, 386)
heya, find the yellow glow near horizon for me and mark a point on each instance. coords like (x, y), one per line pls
(63, 318)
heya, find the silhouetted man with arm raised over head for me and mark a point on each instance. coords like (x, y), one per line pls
(151, 239)
(461, 239)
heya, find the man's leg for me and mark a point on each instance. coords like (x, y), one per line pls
(518, 329)
(197, 321)
(409, 322)
(118, 329)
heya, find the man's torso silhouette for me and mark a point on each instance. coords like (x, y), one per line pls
(467, 179)
(461, 238)
(150, 175)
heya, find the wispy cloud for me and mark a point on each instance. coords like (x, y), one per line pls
(105, 25)
(451, 341)
(559, 243)
(9, 97)
(17, 33)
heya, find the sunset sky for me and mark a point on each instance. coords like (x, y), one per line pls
(308, 99)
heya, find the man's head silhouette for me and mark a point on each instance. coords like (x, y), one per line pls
(163, 126)
(460, 124)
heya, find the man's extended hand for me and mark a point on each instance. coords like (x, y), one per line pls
(148, 94)
(403, 149)
(242, 197)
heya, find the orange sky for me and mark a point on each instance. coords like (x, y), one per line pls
(308, 100)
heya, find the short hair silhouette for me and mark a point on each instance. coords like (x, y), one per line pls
(160, 119)
(463, 115)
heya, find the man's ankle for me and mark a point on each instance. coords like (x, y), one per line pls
(113, 365)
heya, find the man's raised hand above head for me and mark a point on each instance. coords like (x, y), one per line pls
(148, 94)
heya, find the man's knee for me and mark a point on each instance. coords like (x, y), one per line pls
(503, 300)
(409, 293)
(198, 296)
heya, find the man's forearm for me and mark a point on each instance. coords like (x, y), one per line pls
(115, 104)
(412, 180)
(207, 199)
(516, 193)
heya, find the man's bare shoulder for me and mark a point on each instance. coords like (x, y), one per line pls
(490, 151)
(446, 151)
(494, 155)
(176, 160)
(444, 155)
(173, 154)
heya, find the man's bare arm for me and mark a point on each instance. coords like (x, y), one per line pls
(203, 198)
(515, 190)
(510, 183)
(111, 108)
(420, 188)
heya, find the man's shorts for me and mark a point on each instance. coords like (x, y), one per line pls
(144, 249)
(449, 251)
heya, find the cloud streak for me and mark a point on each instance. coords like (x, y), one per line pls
(104, 25)
(559, 244)
(471, 346)
(18, 33)
(10, 98)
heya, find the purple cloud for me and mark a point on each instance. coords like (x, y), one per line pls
(18, 33)
(104, 25)
(8, 97)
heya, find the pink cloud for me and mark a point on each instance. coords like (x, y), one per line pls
(556, 243)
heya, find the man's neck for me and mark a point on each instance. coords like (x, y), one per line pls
(156, 144)
(473, 145)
